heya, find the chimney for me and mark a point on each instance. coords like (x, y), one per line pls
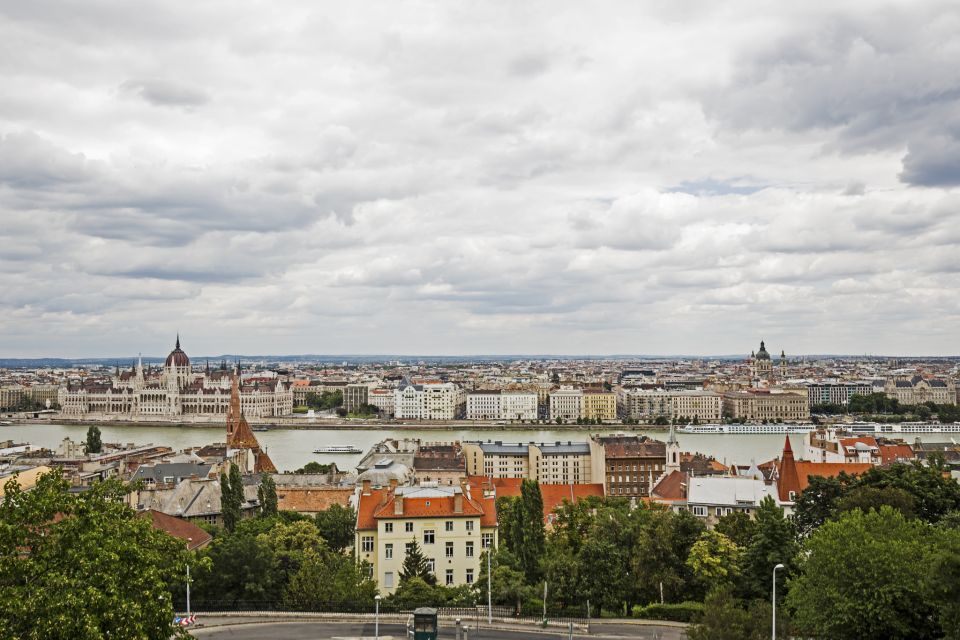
(458, 501)
(393, 483)
(398, 505)
(366, 487)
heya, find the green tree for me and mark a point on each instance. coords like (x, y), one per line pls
(935, 495)
(816, 503)
(93, 444)
(316, 467)
(415, 592)
(737, 526)
(601, 562)
(231, 497)
(724, 619)
(82, 565)
(529, 533)
(662, 545)
(862, 576)
(267, 494)
(415, 565)
(714, 558)
(239, 567)
(866, 498)
(337, 525)
(943, 582)
(774, 542)
(325, 578)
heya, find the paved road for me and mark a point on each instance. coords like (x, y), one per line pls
(244, 629)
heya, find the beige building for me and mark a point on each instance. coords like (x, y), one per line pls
(770, 405)
(497, 459)
(566, 403)
(599, 405)
(452, 526)
(356, 397)
(642, 404)
(547, 463)
(918, 390)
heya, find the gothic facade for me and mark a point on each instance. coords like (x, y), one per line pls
(175, 390)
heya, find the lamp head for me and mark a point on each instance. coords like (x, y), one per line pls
(376, 597)
(779, 566)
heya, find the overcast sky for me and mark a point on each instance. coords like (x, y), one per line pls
(479, 177)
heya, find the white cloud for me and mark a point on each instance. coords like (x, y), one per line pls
(444, 178)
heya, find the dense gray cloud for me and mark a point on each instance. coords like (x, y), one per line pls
(489, 178)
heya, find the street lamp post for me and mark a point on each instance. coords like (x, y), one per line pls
(189, 540)
(489, 592)
(774, 632)
(376, 619)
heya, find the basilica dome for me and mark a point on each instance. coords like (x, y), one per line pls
(761, 355)
(177, 357)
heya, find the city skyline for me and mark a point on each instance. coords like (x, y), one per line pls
(470, 179)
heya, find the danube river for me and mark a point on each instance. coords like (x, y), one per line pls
(292, 448)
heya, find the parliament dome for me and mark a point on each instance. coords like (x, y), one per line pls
(177, 357)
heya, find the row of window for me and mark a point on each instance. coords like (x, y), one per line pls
(429, 537)
(408, 528)
(643, 467)
(449, 577)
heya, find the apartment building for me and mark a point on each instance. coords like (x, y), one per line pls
(566, 403)
(771, 405)
(561, 463)
(599, 405)
(837, 392)
(355, 397)
(429, 401)
(484, 405)
(519, 405)
(382, 399)
(643, 404)
(630, 464)
(497, 459)
(547, 463)
(452, 525)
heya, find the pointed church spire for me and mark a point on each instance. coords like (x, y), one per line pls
(178, 340)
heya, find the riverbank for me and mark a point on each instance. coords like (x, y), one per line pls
(331, 424)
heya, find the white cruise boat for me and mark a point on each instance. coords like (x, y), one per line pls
(747, 428)
(904, 427)
(348, 449)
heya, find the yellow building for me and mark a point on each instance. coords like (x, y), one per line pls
(452, 525)
(599, 405)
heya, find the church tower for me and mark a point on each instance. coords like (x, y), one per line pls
(673, 452)
(783, 364)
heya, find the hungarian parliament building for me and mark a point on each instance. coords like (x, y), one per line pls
(175, 390)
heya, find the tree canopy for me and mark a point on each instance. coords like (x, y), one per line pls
(83, 566)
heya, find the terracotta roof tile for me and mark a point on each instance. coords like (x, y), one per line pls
(178, 528)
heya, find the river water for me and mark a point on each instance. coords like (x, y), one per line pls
(293, 448)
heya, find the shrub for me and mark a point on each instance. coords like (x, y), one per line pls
(680, 612)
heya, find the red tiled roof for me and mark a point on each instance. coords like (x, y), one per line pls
(553, 494)
(671, 488)
(380, 504)
(890, 453)
(795, 475)
(178, 528)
